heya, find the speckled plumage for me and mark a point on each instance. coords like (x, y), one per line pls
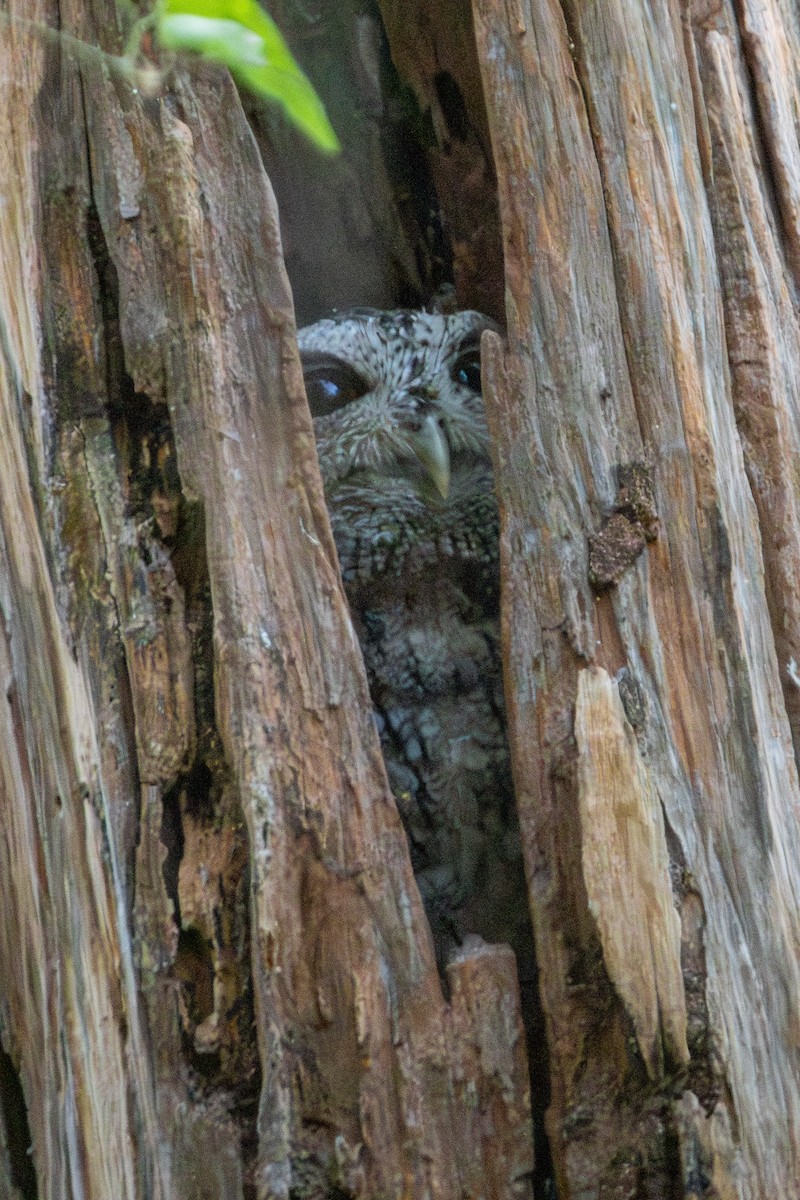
(421, 573)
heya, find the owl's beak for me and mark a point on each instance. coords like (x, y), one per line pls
(430, 447)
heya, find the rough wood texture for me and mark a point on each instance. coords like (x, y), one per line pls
(217, 973)
(433, 46)
(756, 257)
(614, 298)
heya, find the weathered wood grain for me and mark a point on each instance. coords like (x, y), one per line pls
(607, 88)
(770, 42)
(754, 255)
(69, 1010)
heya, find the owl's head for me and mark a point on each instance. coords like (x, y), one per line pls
(396, 400)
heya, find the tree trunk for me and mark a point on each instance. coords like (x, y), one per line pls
(216, 977)
(660, 821)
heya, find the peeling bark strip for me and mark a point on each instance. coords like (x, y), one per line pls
(613, 290)
(626, 872)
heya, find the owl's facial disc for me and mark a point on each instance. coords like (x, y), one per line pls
(396, 402)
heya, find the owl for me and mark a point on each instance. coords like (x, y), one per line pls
(404, 452)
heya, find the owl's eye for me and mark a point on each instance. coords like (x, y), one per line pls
(466, 370)
(330, 384)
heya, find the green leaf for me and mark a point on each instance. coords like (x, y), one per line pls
(239, 34)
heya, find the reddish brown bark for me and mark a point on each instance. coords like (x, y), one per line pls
(215, 972)
(618, 353)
